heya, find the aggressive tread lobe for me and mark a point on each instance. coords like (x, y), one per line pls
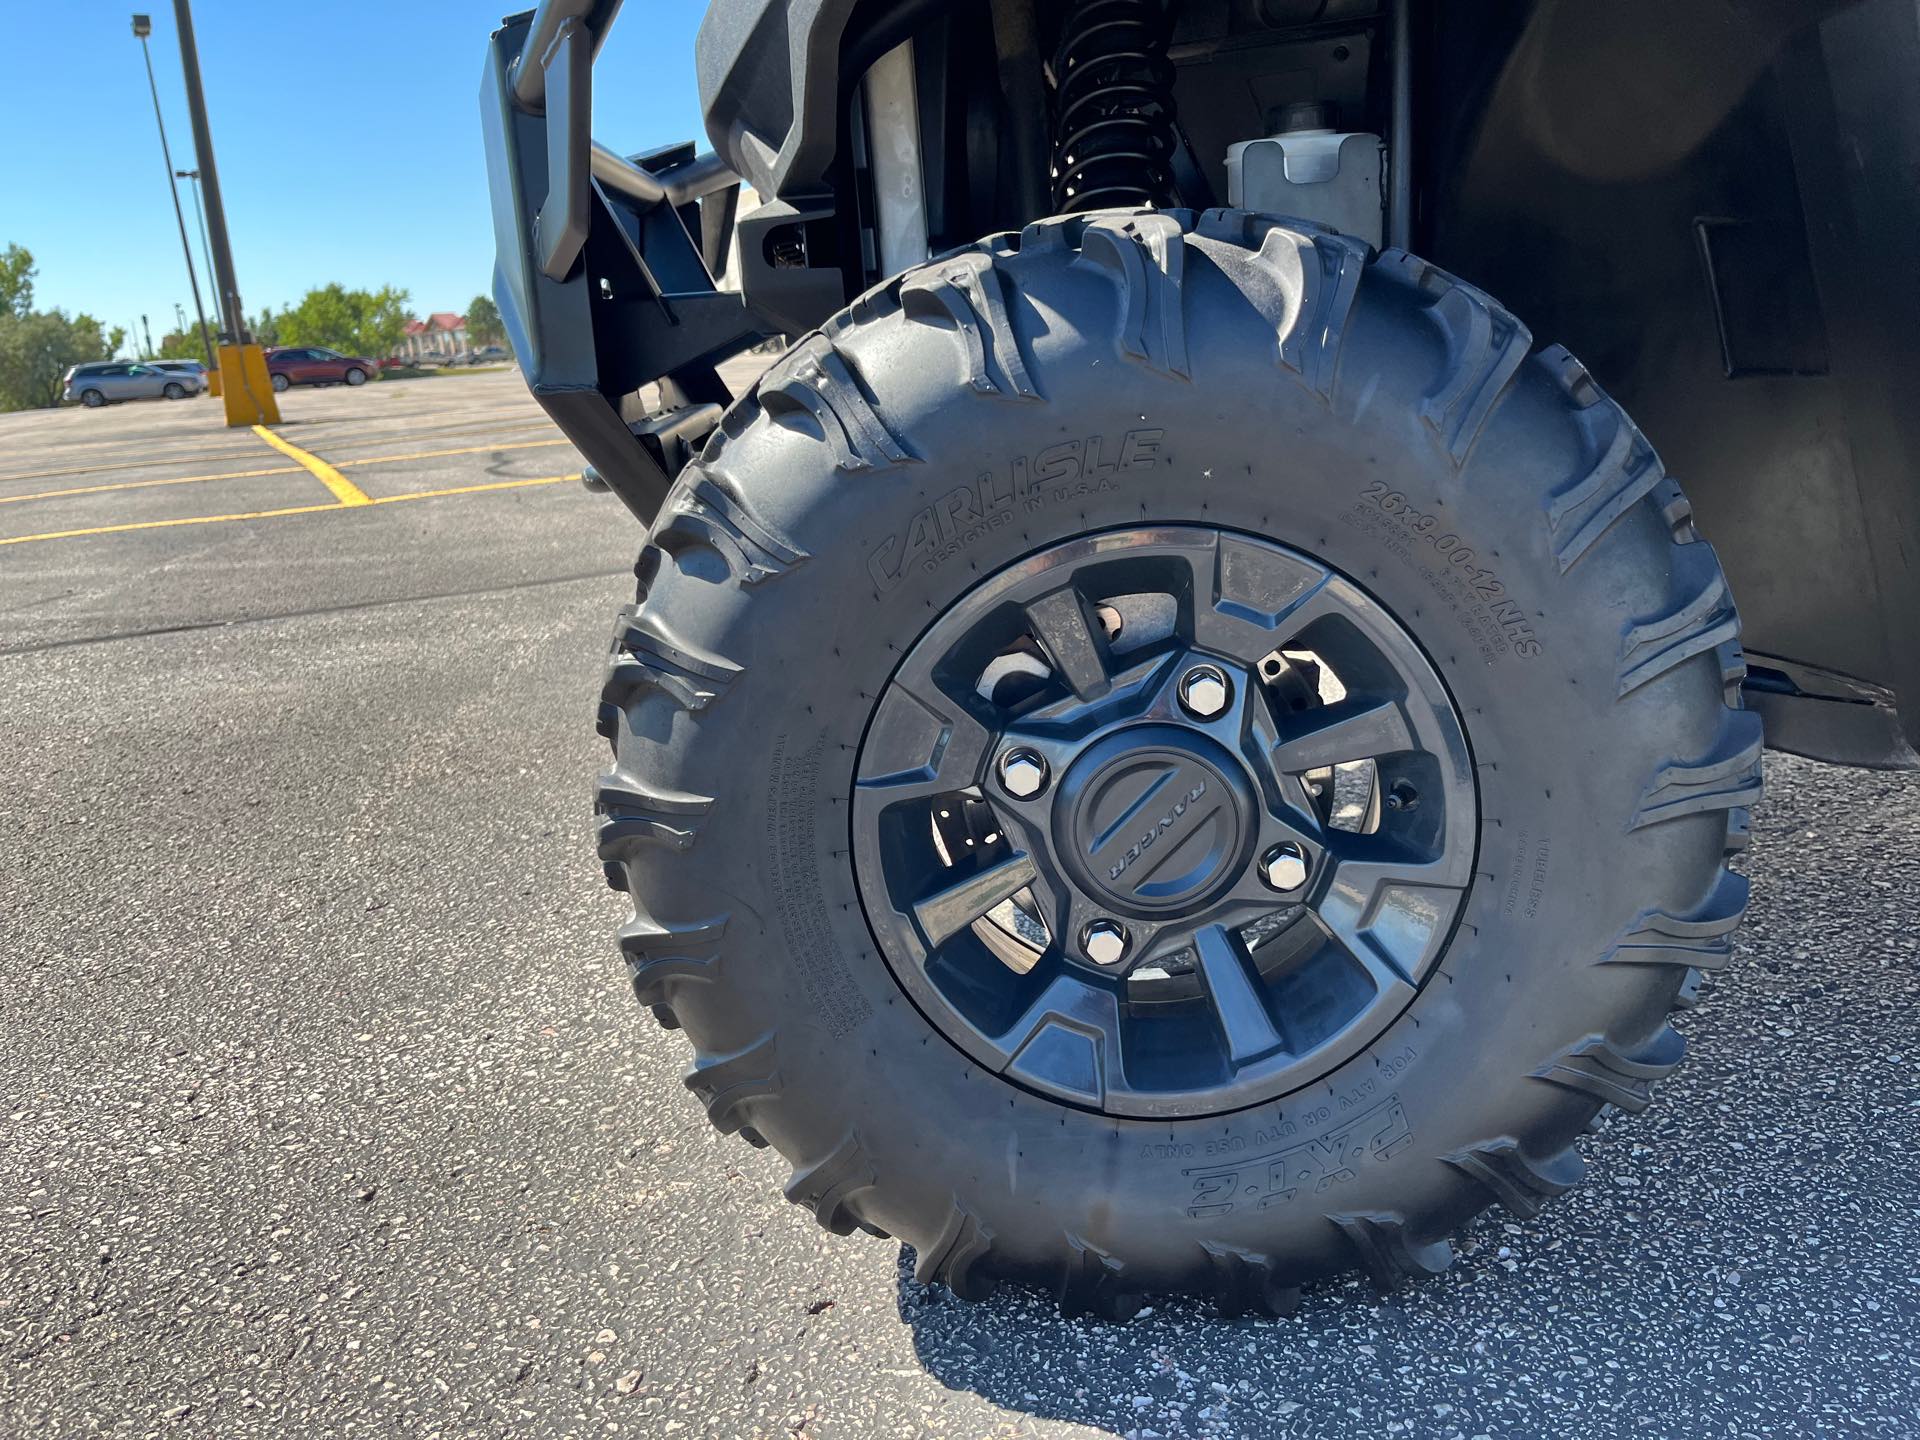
(814, 381)
(829, 1186)
(647, 657)
(1388, 1254)
(728, 1084)
(1092, 1282)
(1244, 1283)
(1145, 257)
(633, 814)
(1705, 622)
(1319, 279)
(964, 290)
(957, 1258)
(662, 956)
(1625, 472)
(1702, 940)
(1727, 778)
(1486, 346)
(1595, 1067)
(706, 512)
(1519, 1182)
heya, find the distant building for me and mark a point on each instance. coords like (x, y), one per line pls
(441, 334)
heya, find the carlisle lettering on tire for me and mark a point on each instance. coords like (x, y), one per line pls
(1132, 373)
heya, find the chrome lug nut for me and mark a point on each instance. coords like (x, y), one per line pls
(1204, 691)
(1023, 773)
(1104, 942)
(1284, 867)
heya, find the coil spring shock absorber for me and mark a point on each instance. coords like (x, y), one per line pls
(1113, 106)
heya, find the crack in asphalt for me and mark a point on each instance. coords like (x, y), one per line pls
(189, 627)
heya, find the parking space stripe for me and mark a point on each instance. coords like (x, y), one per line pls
(165, 524)
(197, 457)
(344, 490)
(143, 484)
(274, 470)
(287, 510)
(357, 461)
(476, 489)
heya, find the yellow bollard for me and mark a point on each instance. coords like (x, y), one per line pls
(245, 386)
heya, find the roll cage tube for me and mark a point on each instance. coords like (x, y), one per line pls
(601, 283)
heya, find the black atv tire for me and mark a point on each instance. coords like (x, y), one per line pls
(1306, 390)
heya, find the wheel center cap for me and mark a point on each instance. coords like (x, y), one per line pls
(1154, 820)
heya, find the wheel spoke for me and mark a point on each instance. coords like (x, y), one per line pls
(1073, 640)
(945, 913)
(1244, 1021)
(1249, 634)
(923, 743)
(1067, 1042)
(1391, 912)
(1352, 729)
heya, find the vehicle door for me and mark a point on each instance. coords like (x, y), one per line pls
(115, 382)
(146, 382)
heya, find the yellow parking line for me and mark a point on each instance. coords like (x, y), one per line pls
(275, 470)
(164, 524)
(475, 489)
(126, 464)
(288, 510)
(344, 490)
(356, 460)
(142, 484)
(175, 457)
(402, 430)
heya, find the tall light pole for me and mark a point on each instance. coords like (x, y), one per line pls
(233, 320)
(143, 27)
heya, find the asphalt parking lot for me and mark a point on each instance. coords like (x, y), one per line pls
(328, 1111)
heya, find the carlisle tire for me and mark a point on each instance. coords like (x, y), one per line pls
(1029, 490)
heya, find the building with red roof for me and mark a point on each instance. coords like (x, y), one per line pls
(440, 335)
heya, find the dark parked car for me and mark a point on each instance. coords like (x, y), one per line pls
(108, 381)
(315, 365)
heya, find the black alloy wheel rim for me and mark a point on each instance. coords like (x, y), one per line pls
(1164, 822)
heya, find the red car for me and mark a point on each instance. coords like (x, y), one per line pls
(313, 365)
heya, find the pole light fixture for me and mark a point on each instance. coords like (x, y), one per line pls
(142, 28)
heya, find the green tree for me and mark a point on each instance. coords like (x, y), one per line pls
(360, 322)
(36, 349)
(266, 327)
(484, 326)
(182, 345)
(16, 280)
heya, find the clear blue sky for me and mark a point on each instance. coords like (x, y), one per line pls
(347, 135)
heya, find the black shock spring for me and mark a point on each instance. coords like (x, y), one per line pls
(1113, 133)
